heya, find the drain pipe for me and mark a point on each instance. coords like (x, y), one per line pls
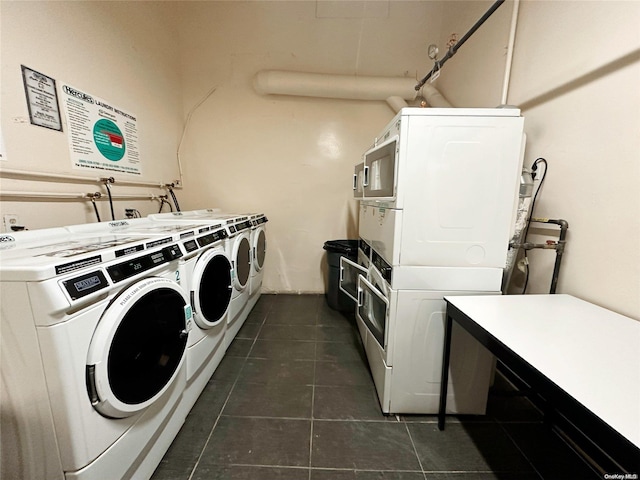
(394, 90)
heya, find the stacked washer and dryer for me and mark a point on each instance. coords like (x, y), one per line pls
(110, 332)
(438, 195)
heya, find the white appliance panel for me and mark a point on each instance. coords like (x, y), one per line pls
(463, 213)
(29, 445)
(418, 365)
(381, 228)
(407, 373)
(407, 277)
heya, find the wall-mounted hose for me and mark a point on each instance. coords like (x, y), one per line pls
(93, 198)
(173, 197)
(163, 200)
(108, 181)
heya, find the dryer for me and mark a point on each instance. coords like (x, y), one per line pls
(205, 273)
(94, 340)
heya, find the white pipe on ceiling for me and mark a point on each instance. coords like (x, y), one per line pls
(396, 103)
(433, 97)
(351, 87)
(510, 47)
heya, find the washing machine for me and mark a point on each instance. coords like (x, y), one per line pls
(250, 238)
(208, 273)
(239, 250)
(258, 255)
(205, 273)
(94, 342)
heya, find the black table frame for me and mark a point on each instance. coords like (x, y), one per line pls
(615, 446)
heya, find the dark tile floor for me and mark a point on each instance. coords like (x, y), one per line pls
(293, 399)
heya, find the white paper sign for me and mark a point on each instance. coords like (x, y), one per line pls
(101, 136)
(42, 99)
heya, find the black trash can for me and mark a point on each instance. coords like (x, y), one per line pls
(336, 298)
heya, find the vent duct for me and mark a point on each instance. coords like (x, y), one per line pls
(394, 90)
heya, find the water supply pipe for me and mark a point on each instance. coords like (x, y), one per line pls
(558, 246)
(454, 48)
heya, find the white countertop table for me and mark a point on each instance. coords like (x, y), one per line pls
(583, 359)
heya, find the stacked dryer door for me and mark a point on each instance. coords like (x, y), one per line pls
(104, 327)
(350, 272)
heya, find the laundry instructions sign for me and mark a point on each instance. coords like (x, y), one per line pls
(101, 136)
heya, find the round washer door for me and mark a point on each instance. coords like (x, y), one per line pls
(138, 347)
(259, 249)
(212, 288)
(242, 261)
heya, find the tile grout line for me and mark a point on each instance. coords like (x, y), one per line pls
(415, 450)
(313, 387)
(215, 424)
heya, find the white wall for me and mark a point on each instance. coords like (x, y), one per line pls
(290, 157)
(127, 56)
(576, 72)
(473, 77)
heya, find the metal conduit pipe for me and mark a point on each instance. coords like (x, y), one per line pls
(349, 87)
(76, 178)
(70, 196)
(45, 195)
(454, 48)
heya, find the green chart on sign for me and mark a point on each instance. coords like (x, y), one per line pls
(109, 139)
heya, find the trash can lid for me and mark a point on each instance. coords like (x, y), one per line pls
(348, 247)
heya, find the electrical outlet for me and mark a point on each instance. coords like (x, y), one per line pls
(10, 220)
